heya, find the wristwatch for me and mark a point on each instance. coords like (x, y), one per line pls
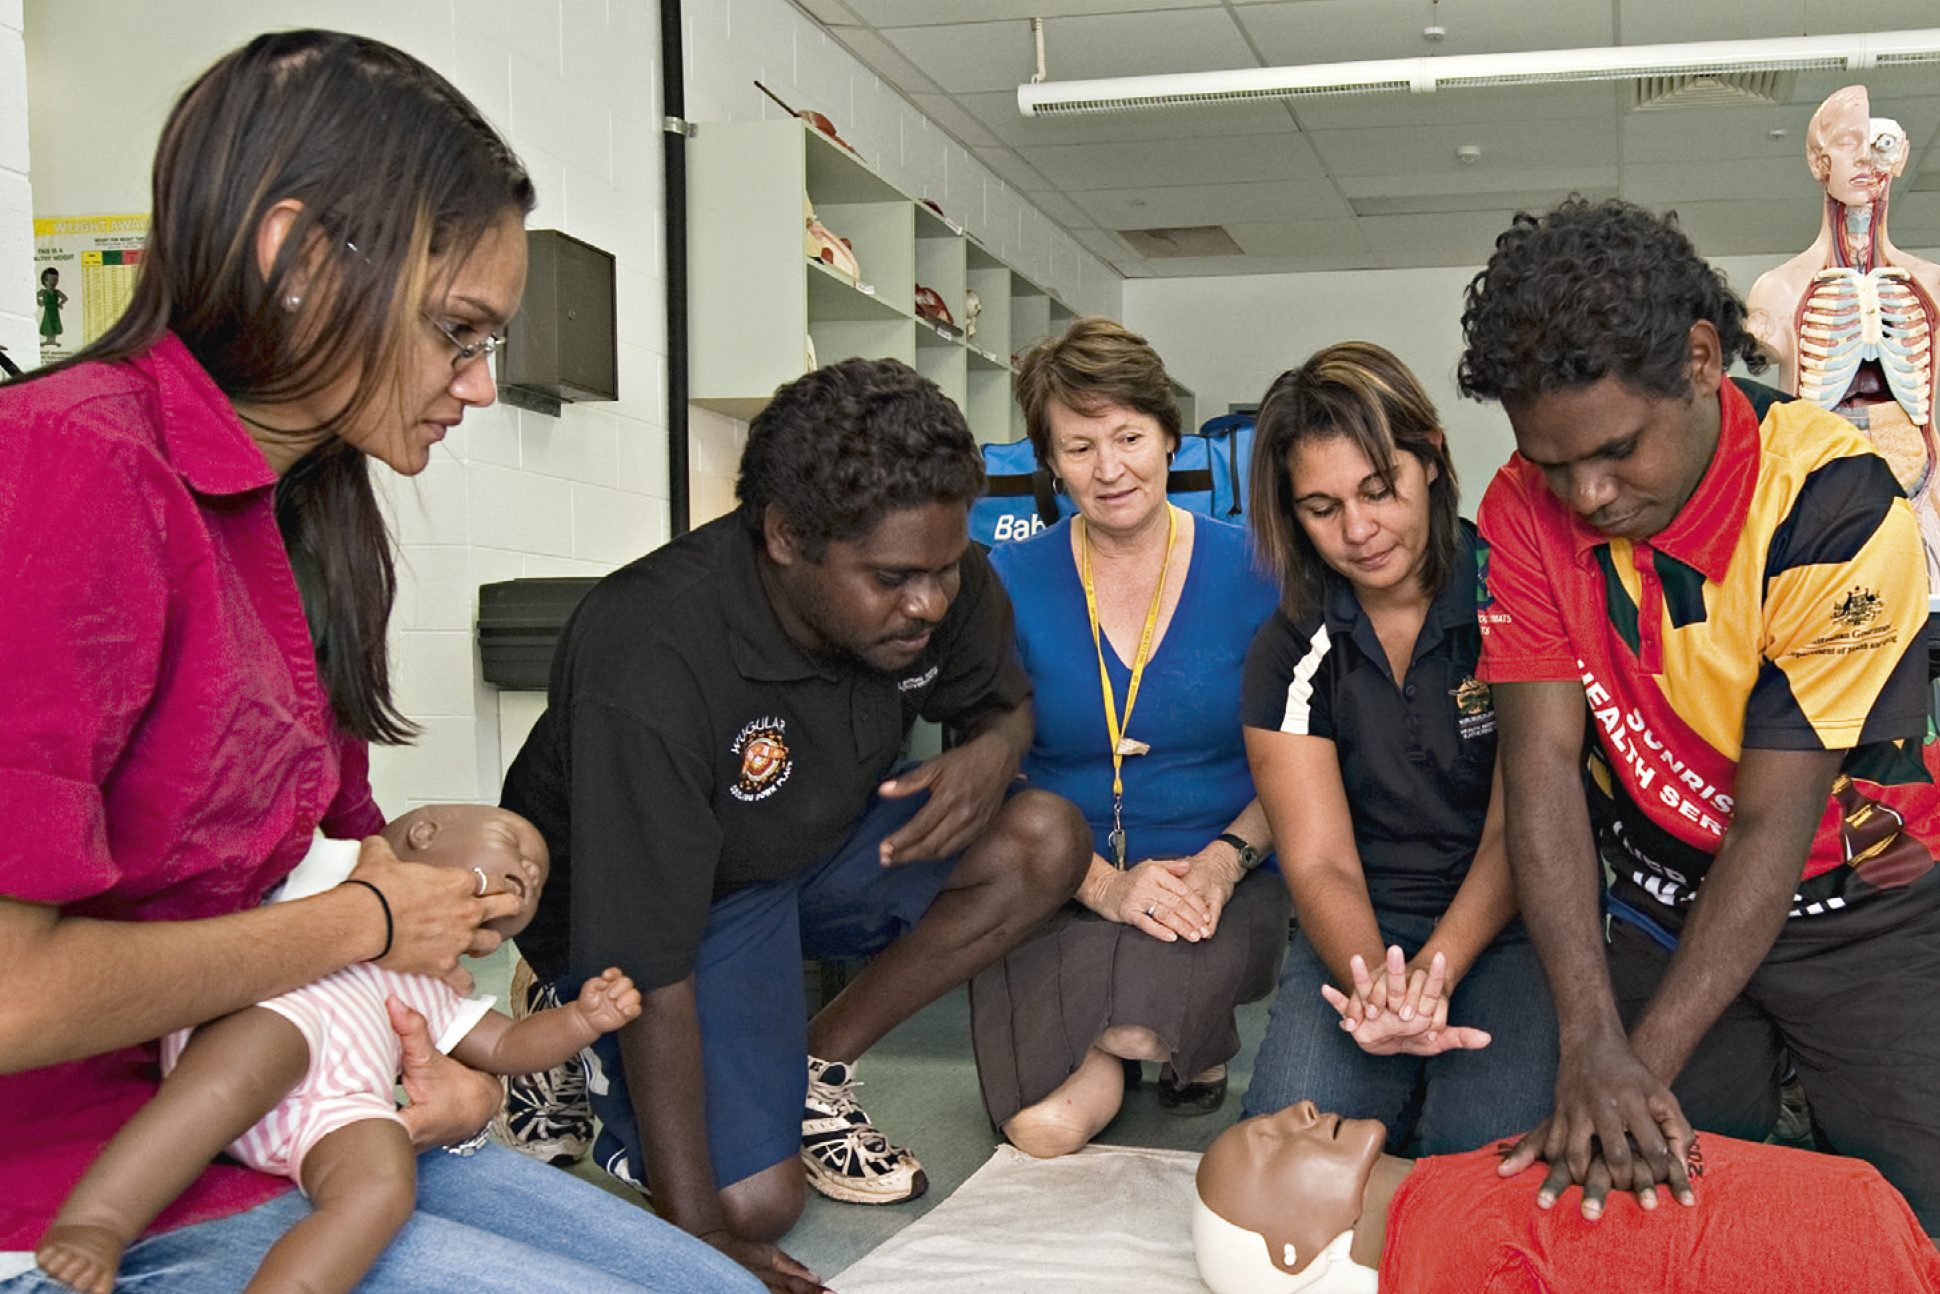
(1249, 857)
(472, 1144)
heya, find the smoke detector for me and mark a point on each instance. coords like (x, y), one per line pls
(1468, 155)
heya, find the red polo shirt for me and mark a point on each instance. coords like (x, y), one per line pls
(166, 749)
(1783, 608)
(1768, 1219)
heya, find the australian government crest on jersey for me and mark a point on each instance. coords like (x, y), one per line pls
(765, 759)
(1857, 622)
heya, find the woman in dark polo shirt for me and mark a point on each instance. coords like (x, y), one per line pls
(1409, 992)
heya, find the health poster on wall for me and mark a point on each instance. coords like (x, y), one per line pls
(84, 270)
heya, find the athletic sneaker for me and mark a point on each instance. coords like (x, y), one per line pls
(545, 1115)
(1794, 1126)
(846, 1158)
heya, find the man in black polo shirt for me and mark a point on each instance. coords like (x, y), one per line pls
(715, 775)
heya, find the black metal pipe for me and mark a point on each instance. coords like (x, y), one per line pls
(673, 98)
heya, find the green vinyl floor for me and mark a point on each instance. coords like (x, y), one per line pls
(919, 1085)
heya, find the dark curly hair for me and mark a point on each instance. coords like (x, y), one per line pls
(1588, 291)
(844, 446)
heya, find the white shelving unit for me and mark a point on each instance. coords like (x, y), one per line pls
(756, 299)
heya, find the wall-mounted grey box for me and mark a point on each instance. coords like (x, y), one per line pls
(519, 623)
(562, 341)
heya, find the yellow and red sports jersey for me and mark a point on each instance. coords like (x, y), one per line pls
(1784, 608)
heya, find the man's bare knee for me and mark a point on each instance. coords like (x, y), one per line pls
(1050, 839)
(764, 1206)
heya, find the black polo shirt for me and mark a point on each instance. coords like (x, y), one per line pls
(1416, 759)
(689, 748)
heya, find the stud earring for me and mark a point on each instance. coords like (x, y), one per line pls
(291, 302)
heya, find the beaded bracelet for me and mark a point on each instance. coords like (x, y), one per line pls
(384, 903)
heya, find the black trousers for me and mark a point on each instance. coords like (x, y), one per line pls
(1848, 997)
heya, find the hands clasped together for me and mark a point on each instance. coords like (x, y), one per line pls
(1168, 898)
(1405, 1012)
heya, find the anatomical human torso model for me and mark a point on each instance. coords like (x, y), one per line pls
(1850, 320)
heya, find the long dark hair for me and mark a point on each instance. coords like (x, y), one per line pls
(1360, 391)
(394, 170)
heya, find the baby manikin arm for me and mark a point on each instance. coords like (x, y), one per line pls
(1233, 1260)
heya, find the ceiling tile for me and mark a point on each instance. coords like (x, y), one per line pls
(1742, 226)
(1338, 31)
(1178, 161)
(944, 112)
(1646, 22)
(1652, 22)
(885, 60)
(1102, 242)
(1211, 204)
(1482, 178)
(1663, 184)
(998, 55)
(1915, 221)
(1680, 135)
(1011, 168)
(1451, 107)
(1059, 208)
(1185, 267)
(923, 13)
(1419, 150)
(1465, 238)
(998, 110)
(1299, 238)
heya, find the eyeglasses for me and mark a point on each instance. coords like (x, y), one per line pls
(467, 351)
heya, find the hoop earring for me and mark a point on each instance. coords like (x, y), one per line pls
(1057, 483)
(1169, 456)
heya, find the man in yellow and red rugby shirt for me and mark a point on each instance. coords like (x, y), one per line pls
(1730, 590)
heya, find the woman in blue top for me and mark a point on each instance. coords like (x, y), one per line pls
(1373, 747)
(1133, 619)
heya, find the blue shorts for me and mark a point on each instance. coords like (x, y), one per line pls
(749, 995)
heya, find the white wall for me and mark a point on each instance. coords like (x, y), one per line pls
(575, 87)
(575, 84)
(1228, 338)
(18, 323)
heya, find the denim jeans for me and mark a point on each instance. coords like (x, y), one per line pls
(493, 1223)
(1436, 1105)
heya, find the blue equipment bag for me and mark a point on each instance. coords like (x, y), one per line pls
(1208, 476)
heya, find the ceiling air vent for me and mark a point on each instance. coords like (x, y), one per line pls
(1711, 90)
(1188, 240)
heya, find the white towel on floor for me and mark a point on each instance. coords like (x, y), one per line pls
(1109, 1218)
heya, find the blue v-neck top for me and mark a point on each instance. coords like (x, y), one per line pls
(1194, 781)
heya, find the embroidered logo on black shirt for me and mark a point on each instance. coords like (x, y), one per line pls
(765, 761)
(1475, 708)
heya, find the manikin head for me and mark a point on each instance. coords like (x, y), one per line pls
(1279, 1198)
(497, 843)
(1853, 155)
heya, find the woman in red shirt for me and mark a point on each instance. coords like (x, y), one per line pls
(196, 581)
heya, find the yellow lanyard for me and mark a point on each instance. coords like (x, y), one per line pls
(1120, 744)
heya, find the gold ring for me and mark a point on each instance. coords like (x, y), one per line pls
(483, 884)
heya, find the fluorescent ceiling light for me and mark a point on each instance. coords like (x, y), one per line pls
(1857, 52)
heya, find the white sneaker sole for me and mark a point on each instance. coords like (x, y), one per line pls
(897, 1187)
